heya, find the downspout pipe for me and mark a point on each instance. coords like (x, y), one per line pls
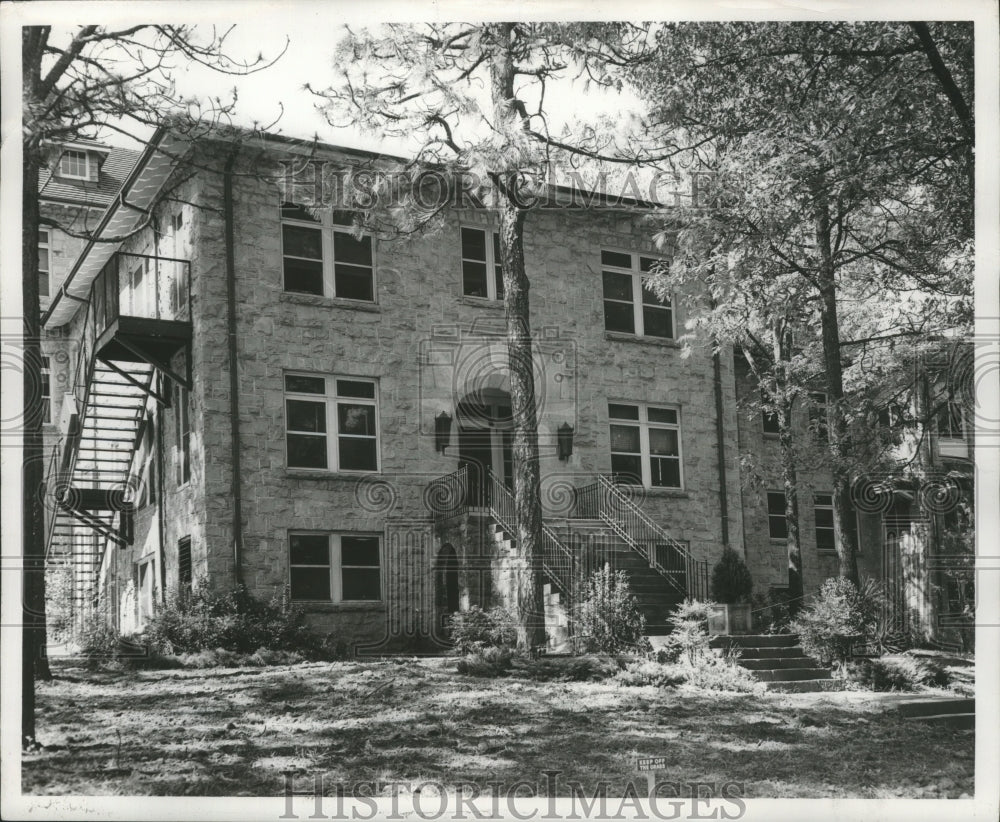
(234, 382)
(720, 443)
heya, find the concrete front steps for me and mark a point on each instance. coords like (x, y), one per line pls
(958, 713)
(779, 662)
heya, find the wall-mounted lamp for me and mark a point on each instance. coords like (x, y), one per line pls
(564, 441)
(442, 431)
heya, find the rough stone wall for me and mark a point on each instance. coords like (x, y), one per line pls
(420, 300)
(767, 558)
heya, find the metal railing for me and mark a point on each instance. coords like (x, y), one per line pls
(556, 559)
(448, 496)
(603, 500)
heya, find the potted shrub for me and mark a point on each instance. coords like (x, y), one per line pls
(731, 589)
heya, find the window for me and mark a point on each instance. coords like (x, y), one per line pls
(43, 262)
(182, 430)
(951, 422)
(823, 513)
(145, 585)
(331, 423)
(479, 258)
(335, 567)
(74, 164)
(630, 306)
(769, 419)
(646, 445)
(777, 526)
(321, 255)
(184, 575)
(46, 390)
(147, 465)
(818, 423)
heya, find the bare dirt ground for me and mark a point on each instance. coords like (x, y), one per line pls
(235, 732)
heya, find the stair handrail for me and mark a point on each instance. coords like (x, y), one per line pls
(626, 518)
(448, 495)
(557, 560)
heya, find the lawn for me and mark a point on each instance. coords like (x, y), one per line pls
(235, 732)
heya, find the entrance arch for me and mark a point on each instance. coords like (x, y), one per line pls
(446, 590)
(485, 434)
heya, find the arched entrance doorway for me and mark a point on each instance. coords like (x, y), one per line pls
(446, 595)
(485, 431)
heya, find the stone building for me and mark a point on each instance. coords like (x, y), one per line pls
(255, 393)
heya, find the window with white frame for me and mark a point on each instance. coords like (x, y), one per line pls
(322, 256)
(335, 567)
(482, 273)
(630, 305)
(46, 390)
(646, 445)
(146, 459)
(43, 262)
(74, 164)
(331, 423)
(951, 421)
(777, 525)
(182, 434)
(823, 516)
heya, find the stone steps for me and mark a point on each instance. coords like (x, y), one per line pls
(779, 661)
(958, 713)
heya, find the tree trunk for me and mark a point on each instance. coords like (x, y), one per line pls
(783, 402)
(529, 603)
(836, 424)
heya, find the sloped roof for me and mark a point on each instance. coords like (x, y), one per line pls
(114, 170)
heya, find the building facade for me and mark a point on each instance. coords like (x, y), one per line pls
(256, 393)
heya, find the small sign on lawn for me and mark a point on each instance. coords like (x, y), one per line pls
(651, 763)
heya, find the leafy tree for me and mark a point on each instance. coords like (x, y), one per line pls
(79, 84)
(473, 99)
(834, 148)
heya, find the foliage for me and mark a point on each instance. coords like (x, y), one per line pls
(206, 620)
(571, 669)
(771, 612)
(721, 673)
(897, 673)
(731, 580)
(489, 661)
(651, 672)
(841, 615)
(474, 630)
(608, 618)
(690, 634)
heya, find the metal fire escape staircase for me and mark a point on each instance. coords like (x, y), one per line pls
(137, 320)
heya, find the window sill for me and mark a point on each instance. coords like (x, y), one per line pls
(662, 342)
(772, 437)
(642, 491)
(329, 302)
(323, 474)
(318, 606)
(481, 302)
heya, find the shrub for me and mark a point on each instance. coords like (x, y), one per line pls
(771, 612)
(235, 621)
(897, 673)
(731, 580)
(690, 635)
(650, 672)
(474, 630)
(487, 662)
(608, 617)
(840, 611)
(573, 669)
(721, 673)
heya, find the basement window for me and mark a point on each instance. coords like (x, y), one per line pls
(184, 570)
(331, 423)
(322, 256)
(335, 567)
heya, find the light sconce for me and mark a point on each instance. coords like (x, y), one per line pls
(442, 431)
(564, 441)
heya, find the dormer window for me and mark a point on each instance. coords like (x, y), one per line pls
(74, 164)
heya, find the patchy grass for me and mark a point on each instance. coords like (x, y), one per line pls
(227, 732)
